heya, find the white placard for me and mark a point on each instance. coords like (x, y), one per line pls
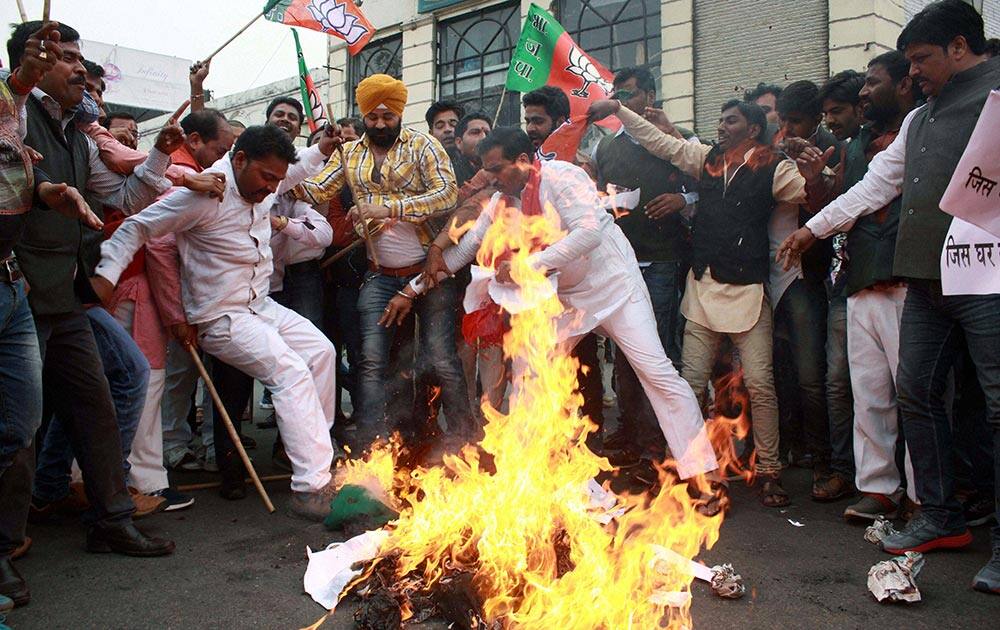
(973, 194)
(139, 78)
(970, 261)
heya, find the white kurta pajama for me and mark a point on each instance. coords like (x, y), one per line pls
(226, 265)
(602, 289)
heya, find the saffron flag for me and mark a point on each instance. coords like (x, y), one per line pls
(563, 143)
(546, 55)
(340, 18)
(310, 97)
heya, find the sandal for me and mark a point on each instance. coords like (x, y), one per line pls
(771, 492)
(831, 488)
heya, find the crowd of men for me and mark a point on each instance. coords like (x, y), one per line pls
(795, 256)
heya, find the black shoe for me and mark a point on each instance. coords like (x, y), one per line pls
(127, 540)
(12, 584)
(248, 442)
(174, 500)
(270, 422)
(979, 510)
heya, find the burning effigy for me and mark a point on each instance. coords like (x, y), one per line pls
(514, 532)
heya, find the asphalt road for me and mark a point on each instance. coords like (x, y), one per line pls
(237, 567)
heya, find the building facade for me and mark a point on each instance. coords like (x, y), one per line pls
(703, 52)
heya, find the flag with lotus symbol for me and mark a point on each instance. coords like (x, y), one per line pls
(547, 55)
(340, 18)
(310, 96)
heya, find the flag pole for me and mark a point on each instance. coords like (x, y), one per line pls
(20, 9)
(343, 164)
(46, 6)
(503, 95)
(270, 5)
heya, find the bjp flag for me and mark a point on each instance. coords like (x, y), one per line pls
(340, 18)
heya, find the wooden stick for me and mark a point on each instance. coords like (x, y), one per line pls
(46, 6)
(208, 485)
(503, 95)
(354, 193)
(233, 435)
(20, 9)
(229, 41)
(345, 251)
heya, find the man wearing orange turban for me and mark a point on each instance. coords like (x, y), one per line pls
(400, 177)
(381, 90)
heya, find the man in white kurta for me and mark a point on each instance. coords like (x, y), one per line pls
(226, 264)
(600, 285)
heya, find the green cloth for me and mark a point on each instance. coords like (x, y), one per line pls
(354, 503)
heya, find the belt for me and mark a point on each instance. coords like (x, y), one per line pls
(398, 272)
(9, 270)
(887, 285)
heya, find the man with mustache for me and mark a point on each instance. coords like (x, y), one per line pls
(946, 47)
(51, 257)
(400, 177)
(740, 181)
(226, 264)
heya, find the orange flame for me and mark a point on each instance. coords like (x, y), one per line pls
(523, 526)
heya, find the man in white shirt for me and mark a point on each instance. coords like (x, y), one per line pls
(226, 270)
(599, 283)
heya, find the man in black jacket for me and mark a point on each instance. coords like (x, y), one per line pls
(50, 254)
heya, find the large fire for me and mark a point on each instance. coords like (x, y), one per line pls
(520, 523)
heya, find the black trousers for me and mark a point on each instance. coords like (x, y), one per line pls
(76, 388)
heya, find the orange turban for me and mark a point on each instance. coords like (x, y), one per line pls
(381, 90)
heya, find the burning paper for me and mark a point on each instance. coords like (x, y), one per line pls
(724, 579)
(878, 530)
(895, 580)
(331, 570)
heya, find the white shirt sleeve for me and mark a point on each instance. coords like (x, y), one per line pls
(311, 162)
(175, 213)
(574, 197)
(308, 227)
(464, 252)
(882, 183)
(133, 193)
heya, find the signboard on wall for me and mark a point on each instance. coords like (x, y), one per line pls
(427, 6)
(140, 78)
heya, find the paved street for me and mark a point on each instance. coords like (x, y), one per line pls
(237, 567)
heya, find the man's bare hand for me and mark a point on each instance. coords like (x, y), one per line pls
(103, 289)
(791, 249)
(397, 310)
(171, 137)
(330, 140)
(661, 121)
(68, 202)
(503, 273)
(433, 266)
(212, 184)
(185, 334)
(366, 211)
(41, 53)
(599, 110)
(812, 161)
(662, 205)
(199, 72)
(35, 156)
(793, 147)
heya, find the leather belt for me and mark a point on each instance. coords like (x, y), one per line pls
(398, 272)
(9, 270)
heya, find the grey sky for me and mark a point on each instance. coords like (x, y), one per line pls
(190, 29)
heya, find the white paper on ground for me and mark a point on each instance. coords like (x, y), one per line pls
(974, 194)
(969, 264)
(602, 503)
(329, 571)
(696, 569)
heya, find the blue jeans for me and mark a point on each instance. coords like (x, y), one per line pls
(20, 411)
(435, 319)
(839, 398)
(127, 371)
(637, 417)
(800, 366)
(935, 328)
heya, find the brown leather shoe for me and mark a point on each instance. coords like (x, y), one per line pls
(23, 549)
(127, 540)
(146, 504)
(12, 584)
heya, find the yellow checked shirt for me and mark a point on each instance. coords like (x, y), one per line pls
(416, 181)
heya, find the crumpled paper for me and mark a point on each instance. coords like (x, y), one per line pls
(878, 530)
(895, 580)
(330, 570)
(727, 583)
(724, 579)
(603, 506)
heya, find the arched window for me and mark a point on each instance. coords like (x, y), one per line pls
(378, 57)
(474, 52)
(618, 33)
